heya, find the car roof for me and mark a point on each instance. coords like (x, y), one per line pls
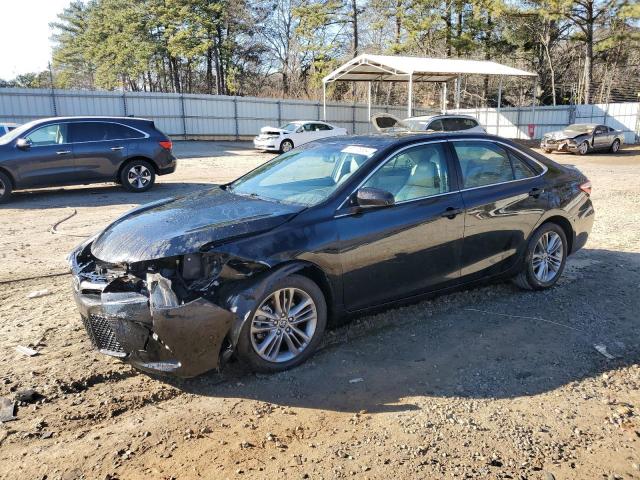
(307, 121)
(93, 118)
(441, 115)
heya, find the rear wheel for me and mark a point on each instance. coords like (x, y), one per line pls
(583, 148)
(138, 176)
(285, 326)
(286, 145)
(544, 259)
(5, 187)
(547, 150)
(615, 146)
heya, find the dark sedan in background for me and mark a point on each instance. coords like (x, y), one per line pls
(83, 150)
(582, 138)
(259, 266)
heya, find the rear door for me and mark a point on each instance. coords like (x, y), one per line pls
(504, 199)
(99, 148)
(48, 160)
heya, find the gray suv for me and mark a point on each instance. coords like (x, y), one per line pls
(84, 150)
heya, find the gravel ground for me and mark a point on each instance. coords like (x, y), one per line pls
(491, 382)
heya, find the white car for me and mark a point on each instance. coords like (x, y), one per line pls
(293, 134)
(7, 127)
(428, 123)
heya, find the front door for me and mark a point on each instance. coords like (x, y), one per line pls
(48, 159)
(411, 247)
(601, 137)
(504, 199)
(99, 148)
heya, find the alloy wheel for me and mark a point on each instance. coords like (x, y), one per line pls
(286, 146)
(547, 257)
(616, 146)
(583, 148)
(3, 188)
(284, 324)
(139, 176)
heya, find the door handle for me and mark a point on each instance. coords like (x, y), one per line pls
(451, 212)
(535, 192)
(63, 152)
(115, 149)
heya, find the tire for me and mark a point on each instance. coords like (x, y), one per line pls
(529, 277)
(286, 145)
(546, 150)
(252, 339)
(583, 148)
(615, 146)
(138, 176)
(6, 187)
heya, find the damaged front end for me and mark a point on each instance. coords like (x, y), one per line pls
(177, 315)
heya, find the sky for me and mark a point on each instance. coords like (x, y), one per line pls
(25, 35)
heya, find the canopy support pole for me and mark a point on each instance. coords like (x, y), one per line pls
(499, 105)
(444, 98)
(457, 93)
(410, 100)
(324, 101)
(369, 105)
(533, 107)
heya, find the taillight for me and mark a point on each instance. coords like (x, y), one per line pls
(166, 144)
(586, 187)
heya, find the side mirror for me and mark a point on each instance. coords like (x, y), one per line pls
(368, 197)
(23, 144)
(300, 130)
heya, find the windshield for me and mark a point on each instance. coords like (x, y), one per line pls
(16, 132)
(290, 127)
(581, 128)
(305, 176)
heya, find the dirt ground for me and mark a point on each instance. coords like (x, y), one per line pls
(491, 382)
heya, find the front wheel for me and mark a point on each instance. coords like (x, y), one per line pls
(615, 146)
(583, 148)
(5, 187)
(286, 145)
(285, 326)
(544, 259)
(138, 176)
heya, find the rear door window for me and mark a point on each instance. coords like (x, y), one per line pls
(451, 124)
(102, 131)
(483, 163)
(322, 126)
(53, 134)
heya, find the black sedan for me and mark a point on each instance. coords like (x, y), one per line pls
(260, 266)
(83, 150)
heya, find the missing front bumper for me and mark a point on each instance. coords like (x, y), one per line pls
(183, 340)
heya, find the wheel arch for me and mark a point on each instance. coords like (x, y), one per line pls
(566, 226)
(124, 163)
(11, 177)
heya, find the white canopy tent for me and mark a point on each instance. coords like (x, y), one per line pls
(387, 68)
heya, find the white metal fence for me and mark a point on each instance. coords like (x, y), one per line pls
(224, 117)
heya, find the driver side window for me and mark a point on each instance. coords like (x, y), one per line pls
(53, 134)
(414, 173)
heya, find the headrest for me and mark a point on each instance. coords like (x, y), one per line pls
(424, 174)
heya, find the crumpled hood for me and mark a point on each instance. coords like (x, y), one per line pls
(562, 134)
(272, 130)
(181, 225)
